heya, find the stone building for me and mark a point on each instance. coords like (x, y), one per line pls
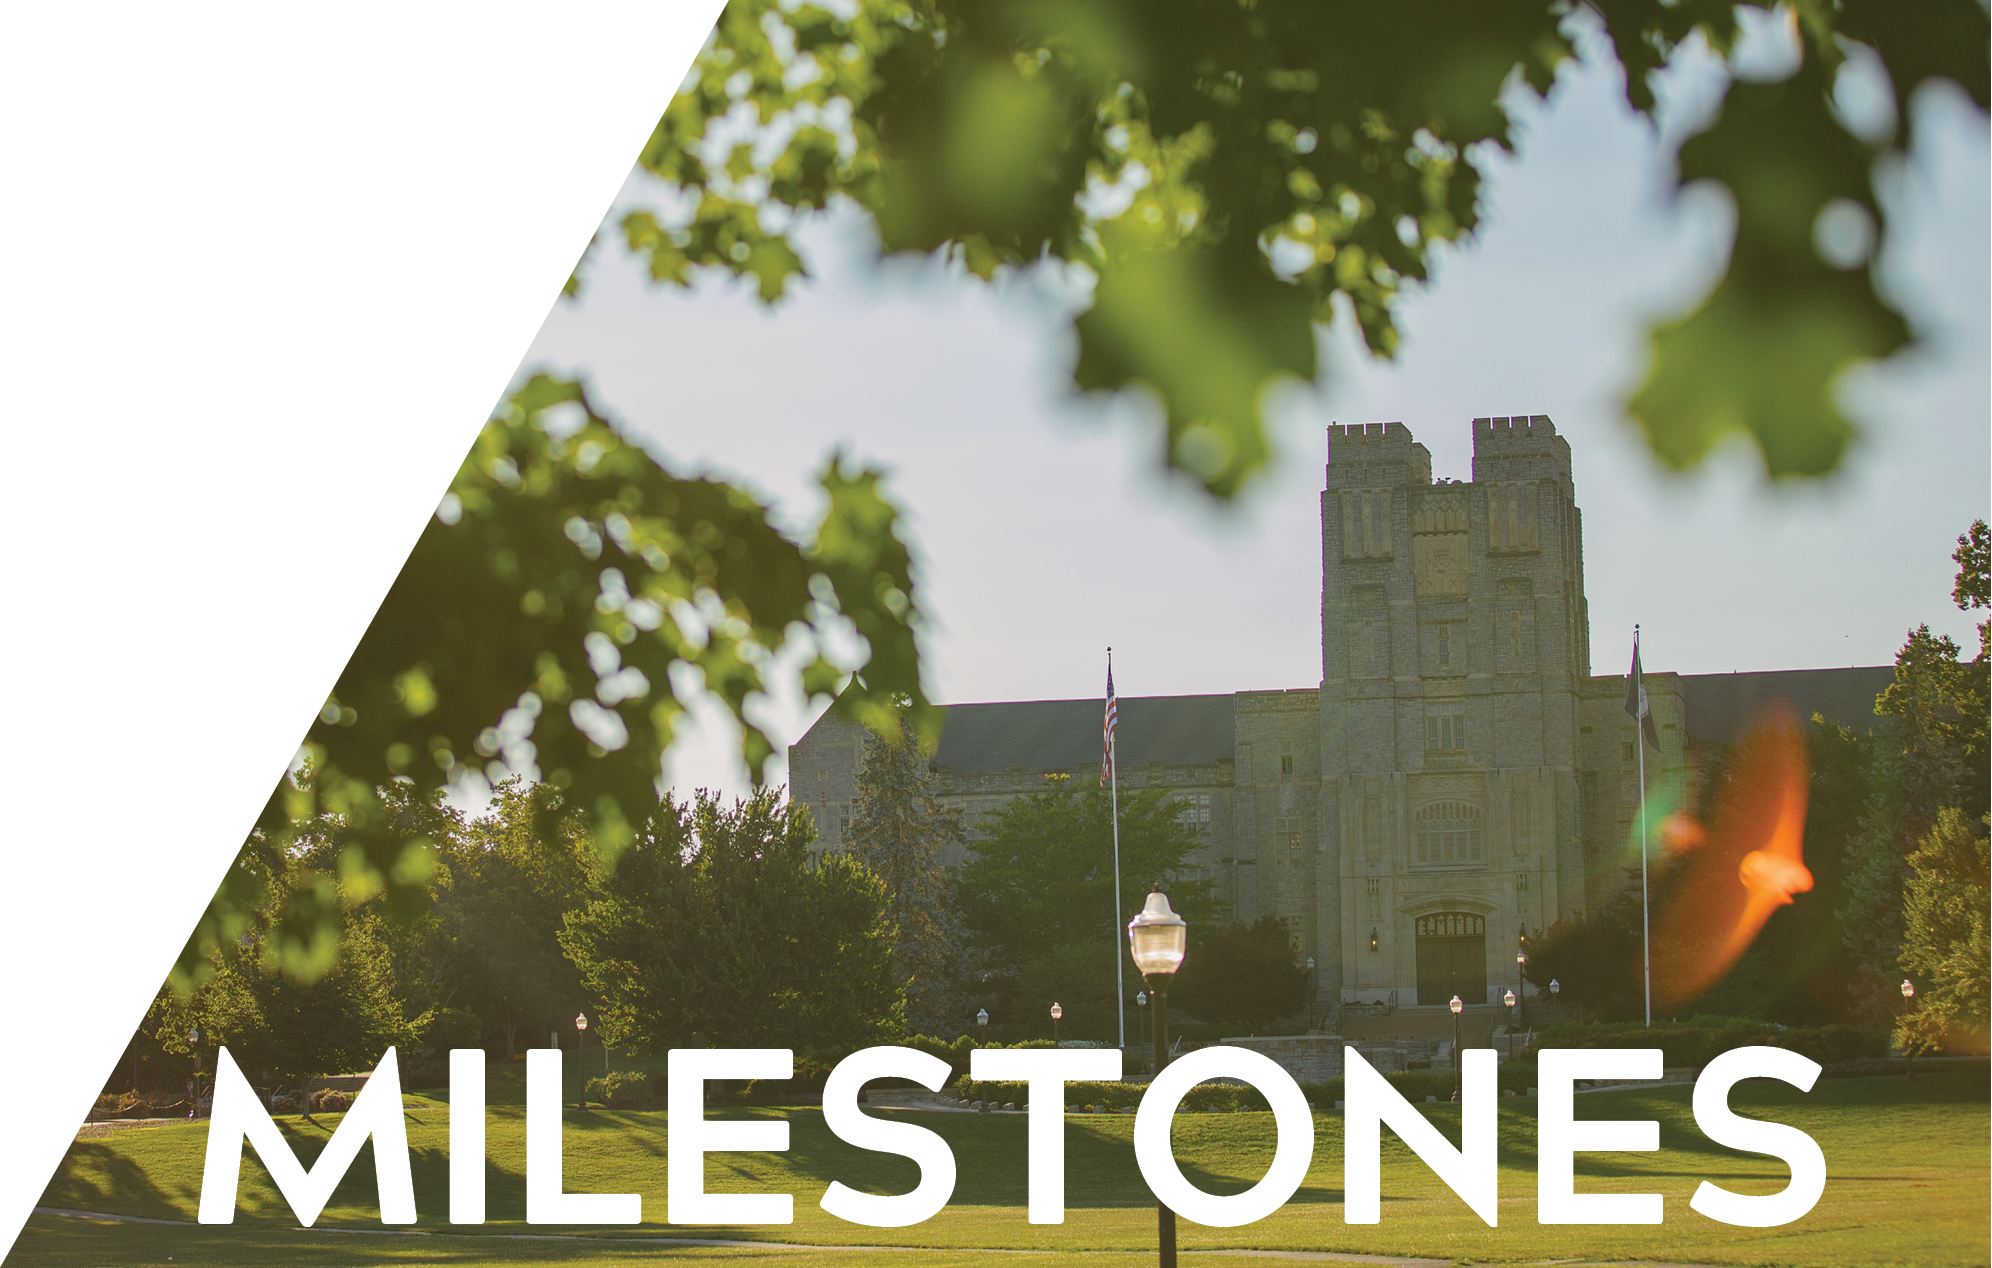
(1458, 774)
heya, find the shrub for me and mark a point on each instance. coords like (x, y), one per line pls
(327, 1100)
(622, 1089)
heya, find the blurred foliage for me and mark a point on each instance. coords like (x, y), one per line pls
(1224, 171)
(568, 596)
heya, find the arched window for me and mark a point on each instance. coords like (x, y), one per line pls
(1447, 833)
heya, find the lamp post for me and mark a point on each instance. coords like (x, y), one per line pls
(982, 1023)
(1510, 1000)
(194, 1084)
(1457, 1009)
(1521, 978)
(1056, 1013)
(1908, 995)
(1141, 1002)
(1310, 993)
(581, 1053)
(1555, 989)
(1157, 938)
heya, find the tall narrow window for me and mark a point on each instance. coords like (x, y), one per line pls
(1445, 726)
(1520, 826)
(1286, 759)
(1376, 898)
(1515, 633)
(1445, 647)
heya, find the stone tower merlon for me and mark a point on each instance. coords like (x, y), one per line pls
(1519, 448)
(1377, 455)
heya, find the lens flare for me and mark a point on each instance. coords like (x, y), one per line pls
(1749, 862)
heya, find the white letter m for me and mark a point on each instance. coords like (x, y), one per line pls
(238, 1114)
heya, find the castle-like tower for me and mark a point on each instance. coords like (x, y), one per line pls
(1454, 654)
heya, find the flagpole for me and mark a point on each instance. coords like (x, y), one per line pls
(1120, 961)
(1645, 909)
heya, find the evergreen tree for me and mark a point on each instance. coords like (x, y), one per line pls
(898, 832)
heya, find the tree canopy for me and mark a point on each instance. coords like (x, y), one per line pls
(1042, 876)
(715, 928)
(1241, 977)
(1227, 174)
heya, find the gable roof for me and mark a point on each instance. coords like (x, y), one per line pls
(1062, 734)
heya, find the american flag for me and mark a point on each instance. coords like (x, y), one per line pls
(1107, 732)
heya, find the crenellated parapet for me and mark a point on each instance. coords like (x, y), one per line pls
(1521, 447)
(1375, 455)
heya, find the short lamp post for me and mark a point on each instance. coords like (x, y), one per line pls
(1056, 1013)
(1555, 989)
(1457, 1008)
(1521, 979)
(1908, 1002)
(581, 1053)
(982, 1023)
(1157, 938)
(194, 1084)
(1310, 992)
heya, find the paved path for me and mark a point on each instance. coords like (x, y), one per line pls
(1291, 1256)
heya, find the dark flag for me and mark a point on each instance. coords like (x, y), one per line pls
(1635, 699)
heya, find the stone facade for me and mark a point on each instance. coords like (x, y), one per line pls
(1457, 775)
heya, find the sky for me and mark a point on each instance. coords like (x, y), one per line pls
(1046, 530)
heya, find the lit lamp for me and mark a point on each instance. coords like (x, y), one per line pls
(1157, 938)
(1457, 1008)
(1908, 993)
(1372, 937)
(1056, 1013)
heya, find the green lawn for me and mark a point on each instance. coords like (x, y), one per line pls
(1908, 1166)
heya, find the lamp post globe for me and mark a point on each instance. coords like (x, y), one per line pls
(1056, 1013)
(1457, 1007)
(1908, 989)
(1555, 987)
(982, 1021)
(1157, 938)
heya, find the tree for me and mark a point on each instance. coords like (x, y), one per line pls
(1945, 949)
(271, 1020)
(1226, 174)
(1241, 976)
(714, 929)
(1043, 876)
(1077, 976)
(1935, 757)
(898, 833)
(511, 885)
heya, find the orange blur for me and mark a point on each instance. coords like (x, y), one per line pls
(1748, 862)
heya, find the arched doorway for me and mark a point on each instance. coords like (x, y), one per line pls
(1452, 957)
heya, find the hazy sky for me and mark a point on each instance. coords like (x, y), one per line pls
(1046, 532)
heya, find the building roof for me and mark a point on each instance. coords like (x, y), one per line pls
(1720, 706)
(1200, 730)
(1061, 734)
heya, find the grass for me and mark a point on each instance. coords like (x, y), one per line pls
(1907, 1164)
